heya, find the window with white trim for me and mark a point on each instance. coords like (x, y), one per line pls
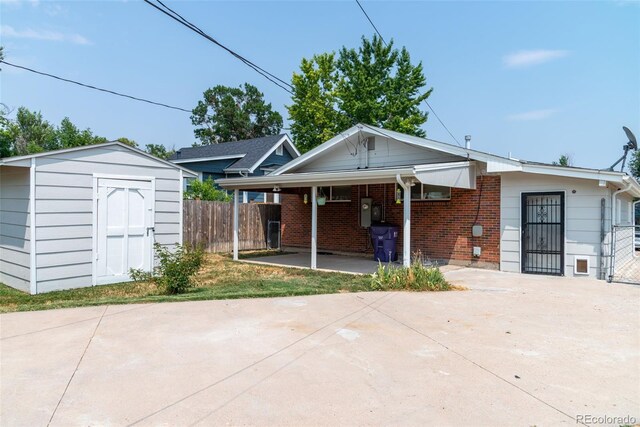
(421, 191)
(279, 150)
(338, 193)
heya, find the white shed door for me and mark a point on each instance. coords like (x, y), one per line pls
(125, 223)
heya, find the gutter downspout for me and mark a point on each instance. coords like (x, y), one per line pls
(406, 231)
(626, 188)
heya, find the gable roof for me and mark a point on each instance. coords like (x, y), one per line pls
(20, 160)
(249, 152)
(494, 164)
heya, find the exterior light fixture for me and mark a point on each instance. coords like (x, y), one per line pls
(306, 198)
(398, 196)
(276, 189)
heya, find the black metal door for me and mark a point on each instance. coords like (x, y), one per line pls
(543, 233)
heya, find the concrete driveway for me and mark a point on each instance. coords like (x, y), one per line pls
(514, 350)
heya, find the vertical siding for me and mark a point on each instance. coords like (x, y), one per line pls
(64, 218)
(582, 217)
(14, 227)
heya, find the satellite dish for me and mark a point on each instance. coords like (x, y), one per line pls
(633, 144)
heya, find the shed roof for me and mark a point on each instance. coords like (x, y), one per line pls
(24, 160)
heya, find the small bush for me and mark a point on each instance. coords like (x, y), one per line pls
(206, 190)
(416, 277)
(175, 270)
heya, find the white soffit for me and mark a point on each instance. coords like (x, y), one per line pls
(458, 174)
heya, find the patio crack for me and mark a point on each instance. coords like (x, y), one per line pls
(77, 366)
(478, 365)
(239, 371)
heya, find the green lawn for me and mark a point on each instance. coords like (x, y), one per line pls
(219, 278)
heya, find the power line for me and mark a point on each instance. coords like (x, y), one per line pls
(370, 21)
(183, 21)
(135, 98)
(425, 100)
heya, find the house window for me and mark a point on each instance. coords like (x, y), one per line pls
(339, 193)
(429, 192)
(279, 150)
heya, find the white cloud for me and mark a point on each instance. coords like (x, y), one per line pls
(533, 115)
(10, 32)
(527, 58)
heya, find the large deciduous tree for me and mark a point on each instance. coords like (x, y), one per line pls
(232, 114)
(375, 84)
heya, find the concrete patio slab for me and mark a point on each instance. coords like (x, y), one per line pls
(327, 262)
(512, 350)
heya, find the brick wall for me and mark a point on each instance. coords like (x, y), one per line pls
(439, 229)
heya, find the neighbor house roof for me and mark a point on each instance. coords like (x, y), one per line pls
(287, 175)
(25, 160)
(250, 153)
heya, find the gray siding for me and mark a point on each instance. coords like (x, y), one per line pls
(387, 153)
(64, 205)
(582, 217)
(14, 227)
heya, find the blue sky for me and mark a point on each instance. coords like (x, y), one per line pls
(536, 79)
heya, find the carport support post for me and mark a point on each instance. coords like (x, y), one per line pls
(314, 229)
(236, 206)
(406, 231)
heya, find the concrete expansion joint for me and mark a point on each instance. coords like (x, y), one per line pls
(77, 365)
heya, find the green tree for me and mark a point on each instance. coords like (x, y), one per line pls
(70, 136)
(127, 141)
(29, 133)
(159, 151)
(206, 190)
(564, 160)
(634, 164)
(232, 114)
(375, 84)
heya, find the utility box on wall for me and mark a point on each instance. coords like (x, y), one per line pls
(365, 212)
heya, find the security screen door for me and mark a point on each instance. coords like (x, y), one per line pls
(124, 228)
(543, 233)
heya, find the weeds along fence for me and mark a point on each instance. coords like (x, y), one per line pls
(210, 224)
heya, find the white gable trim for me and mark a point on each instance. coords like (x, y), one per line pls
(19, 160)
(407, 139)
(283, 141)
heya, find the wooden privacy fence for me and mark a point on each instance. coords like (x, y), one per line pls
(210, 224)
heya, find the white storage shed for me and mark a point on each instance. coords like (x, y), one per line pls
(84, 216)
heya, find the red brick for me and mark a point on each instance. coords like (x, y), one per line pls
(439, 229)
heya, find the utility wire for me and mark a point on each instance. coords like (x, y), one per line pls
(425, 101)
(183, 21)
(135, 98)
(370, 21)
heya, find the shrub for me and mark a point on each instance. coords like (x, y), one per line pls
(416, 277)
(206, 190)
(175, 270)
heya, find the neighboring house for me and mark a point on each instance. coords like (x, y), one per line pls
(84, 216)
(250, 157)
(532, 217)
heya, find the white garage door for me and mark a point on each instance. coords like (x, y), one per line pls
(125, 223)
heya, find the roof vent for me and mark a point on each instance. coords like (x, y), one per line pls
(467, 142)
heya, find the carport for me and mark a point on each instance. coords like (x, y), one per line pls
(459, 174)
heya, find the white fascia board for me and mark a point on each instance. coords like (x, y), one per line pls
(268, 153)
(19, 160)
(208, 159)
(316, 178)
(598, 175)
(317, 150)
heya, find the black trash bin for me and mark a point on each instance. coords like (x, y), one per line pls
(383, 240)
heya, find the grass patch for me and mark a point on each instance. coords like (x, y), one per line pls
(219, 278)
(222, 278)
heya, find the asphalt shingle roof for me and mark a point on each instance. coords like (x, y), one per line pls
(252, 149)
